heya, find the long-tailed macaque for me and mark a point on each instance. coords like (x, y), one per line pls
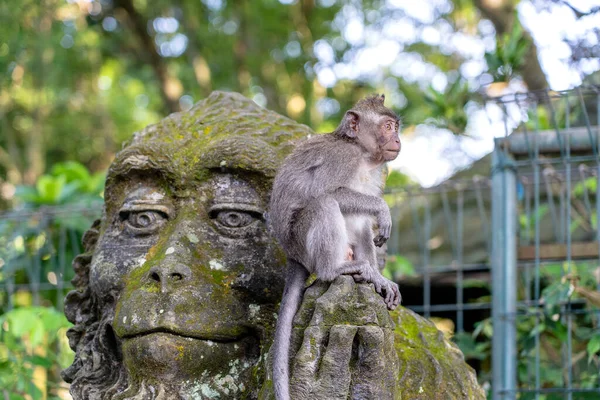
(325, 199)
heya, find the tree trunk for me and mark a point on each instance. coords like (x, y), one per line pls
(156, 61)
(199, 64)
(502, 14)
(242, 44)
(301, 17)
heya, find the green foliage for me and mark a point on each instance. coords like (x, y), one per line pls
(547, 329)
(472, 349)
(509, 55)
(35, 239)
(68, 183)
(397, 179)
(447, 108)
(78, 78)
(32, 342)
(397, 266)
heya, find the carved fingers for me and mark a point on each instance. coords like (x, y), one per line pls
(346, 362)
(371, 364)
(321, 367)
(345, 344)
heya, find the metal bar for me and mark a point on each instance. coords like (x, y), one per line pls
(426, 253)
(527, 210)
(482, 214)
(556, 161)
(588, 125)
(548, 142)
(504, 267)
(550, 197)
(586, 194)
(552, 390)
(567, 227)
(423, 237)
(559, 139)
(459, 260)
(62, 246)
(536, 205)
(567, 193)
(451, 307)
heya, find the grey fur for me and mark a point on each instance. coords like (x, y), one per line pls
(324, 200)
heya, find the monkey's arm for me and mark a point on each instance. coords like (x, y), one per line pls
(352, 202)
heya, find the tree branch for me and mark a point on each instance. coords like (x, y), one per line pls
(577, 12)
(155, 60)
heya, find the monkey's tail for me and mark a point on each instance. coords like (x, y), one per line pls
(292, 295)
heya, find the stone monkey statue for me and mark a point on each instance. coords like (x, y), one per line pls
(324, 200)
(182, 306)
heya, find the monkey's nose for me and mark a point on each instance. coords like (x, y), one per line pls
(169, 276)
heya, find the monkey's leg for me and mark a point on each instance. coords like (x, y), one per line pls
(365, 250)
(351, 202)
(326, 242)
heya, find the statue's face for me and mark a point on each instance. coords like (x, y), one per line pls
(185, 264)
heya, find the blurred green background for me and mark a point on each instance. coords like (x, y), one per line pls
(78, 77)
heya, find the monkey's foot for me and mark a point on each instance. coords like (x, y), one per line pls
(387, 289)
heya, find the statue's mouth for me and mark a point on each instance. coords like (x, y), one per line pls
(213, 337)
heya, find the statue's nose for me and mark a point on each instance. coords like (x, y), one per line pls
(169, 276)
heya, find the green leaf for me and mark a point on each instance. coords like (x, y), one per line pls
(38, 333)
(49, 188)
(72, 171)
(593, 347)
(554, 295)
(21, 321)
(40, 361)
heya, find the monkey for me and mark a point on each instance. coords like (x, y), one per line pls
(325, 198)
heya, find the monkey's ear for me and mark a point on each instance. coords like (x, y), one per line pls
(351, 120)
(382, 97)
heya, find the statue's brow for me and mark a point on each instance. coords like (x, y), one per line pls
(240, 158)
(140, 161)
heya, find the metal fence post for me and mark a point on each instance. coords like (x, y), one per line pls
(504, 273)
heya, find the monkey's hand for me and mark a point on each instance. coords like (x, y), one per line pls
(384, 222)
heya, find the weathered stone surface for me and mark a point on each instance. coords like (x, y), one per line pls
(176, 294)
(345, 345)
(431, 367)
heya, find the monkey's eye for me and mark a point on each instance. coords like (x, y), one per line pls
(143, 222)
(388, 126)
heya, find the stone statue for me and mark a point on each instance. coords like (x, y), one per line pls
(177, 292)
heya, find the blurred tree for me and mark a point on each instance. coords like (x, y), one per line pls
(77, 77)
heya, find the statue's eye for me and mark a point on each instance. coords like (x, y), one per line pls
(234, 219)
(143, 221)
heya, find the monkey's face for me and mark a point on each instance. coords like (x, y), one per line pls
(378, 135)
(388, 139)
(187, 265)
